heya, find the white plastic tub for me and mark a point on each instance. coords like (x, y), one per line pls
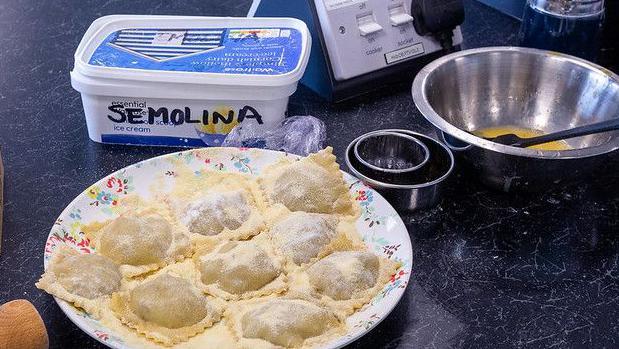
(186, 81)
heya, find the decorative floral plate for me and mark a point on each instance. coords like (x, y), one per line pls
(379, 225)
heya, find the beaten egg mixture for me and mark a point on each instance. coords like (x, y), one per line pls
(521, 132)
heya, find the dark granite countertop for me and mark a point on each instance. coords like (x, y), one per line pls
(490, 270)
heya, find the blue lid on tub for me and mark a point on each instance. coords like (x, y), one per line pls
(247, 51)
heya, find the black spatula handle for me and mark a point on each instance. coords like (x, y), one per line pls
(598, 127)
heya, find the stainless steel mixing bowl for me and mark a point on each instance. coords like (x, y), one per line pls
(534, 89)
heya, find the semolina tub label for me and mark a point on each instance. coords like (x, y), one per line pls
(161, 122)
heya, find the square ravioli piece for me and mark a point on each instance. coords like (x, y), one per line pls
(141, 240)
(217, 205)
(313, 184)
(239, 269)
(344, 280)
(166, 308)
(85, 280)
(272, 322)
(303, 237)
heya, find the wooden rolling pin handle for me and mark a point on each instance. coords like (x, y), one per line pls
(21, 326)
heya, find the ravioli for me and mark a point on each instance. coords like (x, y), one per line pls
(312, 184)
(346, 280)
(217, 213)
(222, 205)
(142, 242)
(277, 257)
(240, 270)
(342, 275)
(165, 308)
(302, 236)
(86, 280)
(281, 322)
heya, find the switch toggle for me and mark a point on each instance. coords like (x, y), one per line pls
(368, 25)
(399, 16)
